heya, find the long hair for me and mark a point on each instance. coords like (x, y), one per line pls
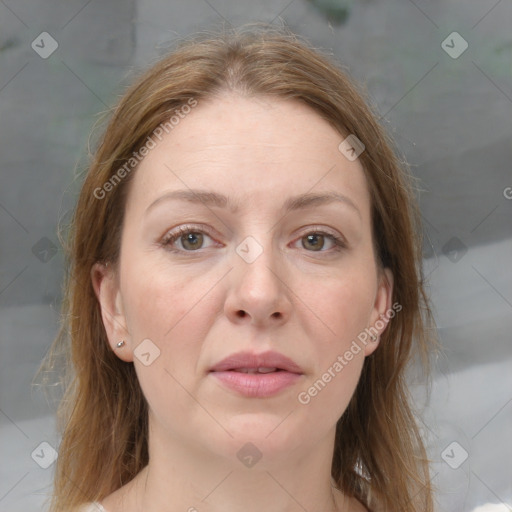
(379, 456)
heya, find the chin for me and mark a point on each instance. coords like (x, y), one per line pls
(266, 433)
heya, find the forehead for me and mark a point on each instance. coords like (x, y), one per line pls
(254, 150)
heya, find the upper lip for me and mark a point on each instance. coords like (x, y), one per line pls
(268, 359)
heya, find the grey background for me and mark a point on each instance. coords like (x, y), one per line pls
(451, 118)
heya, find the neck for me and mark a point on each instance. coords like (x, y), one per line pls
(193, 478)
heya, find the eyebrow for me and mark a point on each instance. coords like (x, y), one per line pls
(214, 199)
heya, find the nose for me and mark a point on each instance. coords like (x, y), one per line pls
(258, 292)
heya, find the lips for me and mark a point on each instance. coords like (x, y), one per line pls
(266, 362)
(257, 375)
(256, 370)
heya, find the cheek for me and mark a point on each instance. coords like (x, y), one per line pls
(173, 310)
(341, 306)
(328, 394)
(157, 300)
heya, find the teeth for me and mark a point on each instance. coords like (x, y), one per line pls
(267, 370)
(256, 370)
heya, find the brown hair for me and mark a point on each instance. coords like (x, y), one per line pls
(379, 456)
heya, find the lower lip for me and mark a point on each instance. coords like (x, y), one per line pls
(257, 385)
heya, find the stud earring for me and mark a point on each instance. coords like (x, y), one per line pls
(120, 344)
(373, 337)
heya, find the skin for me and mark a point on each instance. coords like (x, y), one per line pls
(299, 297)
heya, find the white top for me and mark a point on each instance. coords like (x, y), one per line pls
(92, 507)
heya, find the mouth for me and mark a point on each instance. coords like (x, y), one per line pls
(257, 375)
(266, 362)
(257, 370)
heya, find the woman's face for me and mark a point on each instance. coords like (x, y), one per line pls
(266, 262)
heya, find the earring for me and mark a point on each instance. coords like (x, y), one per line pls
(120, 344)
(373, 337)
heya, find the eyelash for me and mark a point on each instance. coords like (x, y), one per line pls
(170, 238)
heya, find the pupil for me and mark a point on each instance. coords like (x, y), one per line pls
(191, 239)
(311, 238)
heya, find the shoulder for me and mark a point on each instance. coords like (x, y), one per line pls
(90, 507)
(356, 506)
(359, 507)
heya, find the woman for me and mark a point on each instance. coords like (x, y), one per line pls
(245, 293)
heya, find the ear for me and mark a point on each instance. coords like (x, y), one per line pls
(106, 287)
(380, 315)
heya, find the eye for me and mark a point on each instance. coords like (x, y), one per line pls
(191, 239)
(315, 241)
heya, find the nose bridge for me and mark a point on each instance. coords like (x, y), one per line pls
(258, 288)
(257, 264)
